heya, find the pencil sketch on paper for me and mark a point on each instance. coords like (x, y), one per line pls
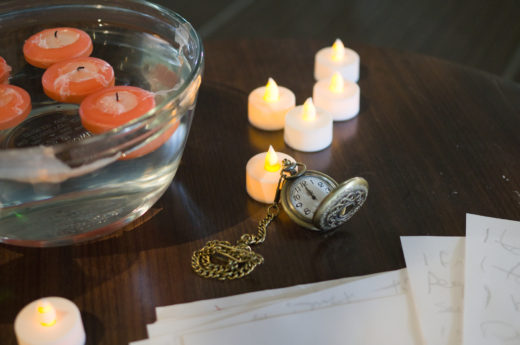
(507, 246)
(492, 295)
(511, 272)
(488, 296)
(435, 281)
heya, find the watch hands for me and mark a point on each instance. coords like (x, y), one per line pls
(310, 192)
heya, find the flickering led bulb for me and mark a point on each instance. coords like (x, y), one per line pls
(337, 84)
(338, 50)
(272, 93)
(309, 111)
(271, 160)
(46, 313)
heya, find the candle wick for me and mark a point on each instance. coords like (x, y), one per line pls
(56, 34)
(80, 67)
(117, 97)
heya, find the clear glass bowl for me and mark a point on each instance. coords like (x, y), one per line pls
(59, 184)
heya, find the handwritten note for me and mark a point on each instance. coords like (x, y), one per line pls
(243, 301)
(377, 286)
(436, 271)
(374, 322)
(492, 293)
(235, 310)
(463, 291)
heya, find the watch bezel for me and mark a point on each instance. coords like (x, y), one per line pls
(291, 210)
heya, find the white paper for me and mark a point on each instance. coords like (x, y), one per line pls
(244, 301)
(492, 289)
(162, 340)
(379, 321)
(377, 286)
(478, 275)
(436, 272)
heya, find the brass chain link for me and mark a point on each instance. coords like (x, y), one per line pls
(223, 260)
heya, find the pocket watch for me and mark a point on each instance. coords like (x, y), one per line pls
(311, 198)
(316, 201)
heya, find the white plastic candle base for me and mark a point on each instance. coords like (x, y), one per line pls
(269, 116)
(261, 184)
(307, 136)
(67, 330)
(348, 66)
(342, 105)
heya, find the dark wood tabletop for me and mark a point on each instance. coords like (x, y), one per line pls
(435, 141)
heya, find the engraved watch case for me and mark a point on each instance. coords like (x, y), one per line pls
(316, 201)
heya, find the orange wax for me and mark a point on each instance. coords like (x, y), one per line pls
(57, 44)
(153, 145)
(70, 81)
(15, 105)
(5, 71)
(115, 106)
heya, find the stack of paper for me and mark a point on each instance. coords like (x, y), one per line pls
(437, 299)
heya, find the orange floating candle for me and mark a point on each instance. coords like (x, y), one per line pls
(57, 44)
(115, 106)
(15, 105)
(5, 71)
(70, 81)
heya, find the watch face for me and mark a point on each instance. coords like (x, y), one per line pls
(307, 193)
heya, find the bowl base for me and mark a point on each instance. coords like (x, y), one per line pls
(65, 223)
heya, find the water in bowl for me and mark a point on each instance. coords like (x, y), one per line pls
(42, 213)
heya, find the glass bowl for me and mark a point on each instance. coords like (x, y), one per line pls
(60, 184)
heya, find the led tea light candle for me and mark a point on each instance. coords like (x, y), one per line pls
(267, 106)
(50, 321)
(57, 44)
(115, 106)
(336, 58)
(15, 105)
(5, 71)
(337, 97)
(72, 80)
(263, 173)
(306, 129)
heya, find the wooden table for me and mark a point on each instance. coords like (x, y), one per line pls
(434, 140)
